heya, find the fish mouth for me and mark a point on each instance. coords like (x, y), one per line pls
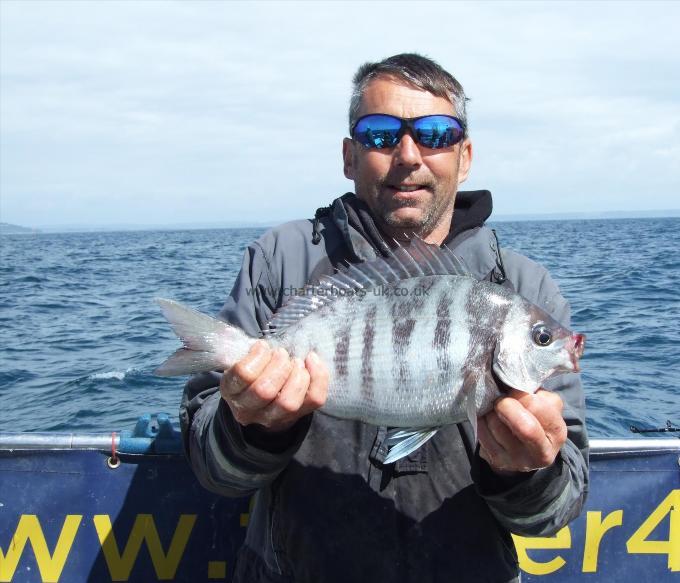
(578, 345)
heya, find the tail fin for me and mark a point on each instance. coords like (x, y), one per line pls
(209, 344)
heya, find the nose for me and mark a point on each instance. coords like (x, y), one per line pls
(407, 152)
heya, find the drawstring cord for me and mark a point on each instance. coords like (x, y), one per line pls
(500, 277)
(320, 212)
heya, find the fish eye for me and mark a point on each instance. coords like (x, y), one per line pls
(541, 335)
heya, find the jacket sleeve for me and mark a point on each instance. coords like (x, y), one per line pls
(227, 458)
(544, 501)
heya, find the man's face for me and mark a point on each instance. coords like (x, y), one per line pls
(409, 187)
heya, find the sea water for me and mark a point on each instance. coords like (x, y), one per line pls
(81, 334)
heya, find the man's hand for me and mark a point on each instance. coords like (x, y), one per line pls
(271, 389)
(524, 432)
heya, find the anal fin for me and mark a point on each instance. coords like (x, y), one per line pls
(402, 442)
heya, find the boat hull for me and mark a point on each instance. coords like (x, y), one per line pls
(67, 515)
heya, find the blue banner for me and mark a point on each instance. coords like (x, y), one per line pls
(66, 516)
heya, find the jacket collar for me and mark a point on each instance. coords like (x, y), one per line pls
(471, 241)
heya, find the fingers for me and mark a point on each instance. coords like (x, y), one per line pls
(493, 434)
(269, 388)
(268, 384)
(491, 448)
(522, 423)
(547, 407)
(523, 432)
(291, 396)
(305, 391)
(245, 371)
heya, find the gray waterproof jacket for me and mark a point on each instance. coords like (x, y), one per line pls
(326, 508)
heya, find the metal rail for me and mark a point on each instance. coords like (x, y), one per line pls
(54, 441)
(633, 447)
(126, 443)
(152, 434)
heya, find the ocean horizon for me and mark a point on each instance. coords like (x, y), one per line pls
(6, 228)
(82, 333)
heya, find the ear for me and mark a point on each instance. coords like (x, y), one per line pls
(465, 161)
(348, 158)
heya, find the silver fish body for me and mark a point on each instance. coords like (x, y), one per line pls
(403, 360)
(410, 355)
(410, 342)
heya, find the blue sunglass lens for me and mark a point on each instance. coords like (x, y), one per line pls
(384, 131)
(437, 131)
(377, 131)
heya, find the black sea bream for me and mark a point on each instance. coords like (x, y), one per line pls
(412, 342)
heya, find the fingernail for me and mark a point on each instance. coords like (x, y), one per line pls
(259, 347)
(297, 362)
(258, 353)
(314, 357)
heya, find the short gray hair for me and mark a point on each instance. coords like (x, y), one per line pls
(415, 70)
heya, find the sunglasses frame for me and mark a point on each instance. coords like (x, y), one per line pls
(408, 123)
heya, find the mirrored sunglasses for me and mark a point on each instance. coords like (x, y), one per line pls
(380, 130)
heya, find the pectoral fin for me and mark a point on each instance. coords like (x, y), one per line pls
(402, 442)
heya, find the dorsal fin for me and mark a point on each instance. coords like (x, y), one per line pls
(418, 259)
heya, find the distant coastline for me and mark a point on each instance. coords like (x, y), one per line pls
(11, 229)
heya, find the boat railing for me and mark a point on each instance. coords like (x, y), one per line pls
(156, 434)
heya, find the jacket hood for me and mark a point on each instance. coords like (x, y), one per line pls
(364, 239)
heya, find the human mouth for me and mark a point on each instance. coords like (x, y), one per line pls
(404, 190)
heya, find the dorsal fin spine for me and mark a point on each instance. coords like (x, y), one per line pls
(413, 262)
(418, 260)
(401, 265)
(378, 275)
(433, 256)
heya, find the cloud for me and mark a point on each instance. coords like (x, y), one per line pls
(168, 112)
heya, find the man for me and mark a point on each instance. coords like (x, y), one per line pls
(327, 507)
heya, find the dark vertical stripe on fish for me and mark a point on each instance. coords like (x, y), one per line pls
(406, 303)
(341, 351)
(367, 350)
(401, 338)
(442, 331)
(442, 338)
(485, 319)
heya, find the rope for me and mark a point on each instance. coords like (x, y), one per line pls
(114, 461)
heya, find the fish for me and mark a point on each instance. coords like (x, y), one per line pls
(412, 342)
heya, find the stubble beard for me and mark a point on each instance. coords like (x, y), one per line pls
(432, 214)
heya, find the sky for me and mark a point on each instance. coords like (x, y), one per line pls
(159, 112)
